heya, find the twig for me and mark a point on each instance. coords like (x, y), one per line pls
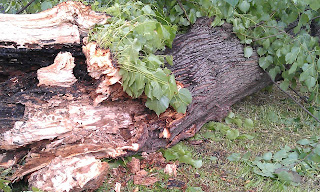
(185, 12)
(295, 100)
(25, 7)
(301, 97)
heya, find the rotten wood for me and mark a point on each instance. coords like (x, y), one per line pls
(51, 123)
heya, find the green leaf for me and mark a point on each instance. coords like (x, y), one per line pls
(315, 5)
(248, 123)
(315, 158)
(232, 134)
(244, 6)
(274, 72)
(285, 84)
(237, 121)
(194, 189)
(248, 51)
(278, 156)
(231, 115)
(213, 158)
(170, 155)
(233, 3)
(188, 160)
(245, 136)
(272, 116)
(264, 62)
(169, 59)
(304, 19)
(156, 90)
(208, 135)
(159, 106)
(267, 156)
(310, 82)
(181, 101)
(234, 157)
(46, 5)
(211, 125)
(285, 176)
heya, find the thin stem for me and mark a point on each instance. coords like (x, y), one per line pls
(25, 7)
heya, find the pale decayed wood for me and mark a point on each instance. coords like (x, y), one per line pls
(60, 73)
(66, 174)
(63, 24)
(99, 66)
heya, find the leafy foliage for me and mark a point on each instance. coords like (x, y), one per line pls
(14, 6)
(225, 130)
(182, 153)
(287, 165)
(134, 34)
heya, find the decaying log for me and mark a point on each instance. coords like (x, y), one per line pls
(54, 125)
(35, 39)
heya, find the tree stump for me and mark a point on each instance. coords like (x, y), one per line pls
(64, 117)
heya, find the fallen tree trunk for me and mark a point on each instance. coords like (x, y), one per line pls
(61, 115)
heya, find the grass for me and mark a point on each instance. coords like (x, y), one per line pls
(278, 121)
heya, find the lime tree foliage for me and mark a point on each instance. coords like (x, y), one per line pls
(140, 29)
(13, 6)
(136, 31)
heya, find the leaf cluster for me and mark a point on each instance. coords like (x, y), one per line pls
(280, 31)
(181, 153)
(287, 165)
(134, 34)
(13, 6)
(225, 130)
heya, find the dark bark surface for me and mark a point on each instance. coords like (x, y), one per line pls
(50, 122)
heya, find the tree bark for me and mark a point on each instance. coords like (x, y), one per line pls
(72, 110)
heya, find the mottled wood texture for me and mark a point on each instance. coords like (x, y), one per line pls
(50, 123)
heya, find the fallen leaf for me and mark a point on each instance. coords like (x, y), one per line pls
(141, 178)
(134, 165)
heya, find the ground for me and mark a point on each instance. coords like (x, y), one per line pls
(278, 121)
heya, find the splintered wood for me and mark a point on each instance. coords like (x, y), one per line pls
(63, 24)
(70, 174)
(99, 65)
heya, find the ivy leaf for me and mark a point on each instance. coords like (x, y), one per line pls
(233, 3)
(248, 52)
(159, 106)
